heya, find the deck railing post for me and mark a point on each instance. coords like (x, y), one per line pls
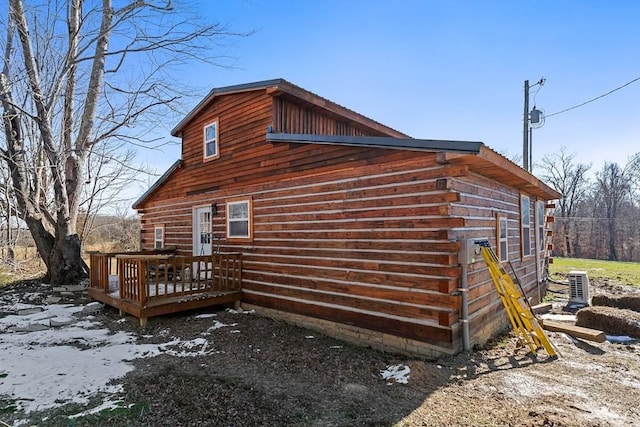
(239, 272)
(142, 281)
(121, 283)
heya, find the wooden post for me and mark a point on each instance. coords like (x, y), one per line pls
(525, 128)
(142, 283)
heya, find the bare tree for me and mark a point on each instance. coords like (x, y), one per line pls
(568, 178)
(614, 186)
(77, 73)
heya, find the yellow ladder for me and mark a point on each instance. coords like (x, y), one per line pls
(524, 323)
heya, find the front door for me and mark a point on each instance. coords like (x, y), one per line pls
(202, 231)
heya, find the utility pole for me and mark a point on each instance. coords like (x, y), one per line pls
(525, 128)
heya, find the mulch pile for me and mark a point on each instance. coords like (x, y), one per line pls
(613, 321)
(629, 302)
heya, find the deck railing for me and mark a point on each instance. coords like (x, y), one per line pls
(146, 278)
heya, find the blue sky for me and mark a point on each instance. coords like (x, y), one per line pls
(449, 69)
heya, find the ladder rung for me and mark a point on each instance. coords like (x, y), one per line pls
(518, 309)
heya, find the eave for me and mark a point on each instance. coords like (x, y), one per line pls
(431, 145)
(493, 165)
(281, 87)
(165, 176)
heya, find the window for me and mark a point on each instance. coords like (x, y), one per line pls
(158, 237)
(540, 224)
(204, 226)
(239, 221)
(502, 234)
(525, 215)
(211, 141)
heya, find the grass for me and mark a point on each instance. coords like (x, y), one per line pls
(626, 273)
(6, 279)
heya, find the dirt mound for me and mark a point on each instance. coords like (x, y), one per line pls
(612, 321)
(618, 301)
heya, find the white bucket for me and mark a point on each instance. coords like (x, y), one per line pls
(113, 282)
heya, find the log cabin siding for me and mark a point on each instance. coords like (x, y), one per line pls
(368, 245)
(290, 117)
(481, 199)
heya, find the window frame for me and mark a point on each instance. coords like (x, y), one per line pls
(525, 226)
(503, 256)
(155, 237)
(236, 201)
(215, 140)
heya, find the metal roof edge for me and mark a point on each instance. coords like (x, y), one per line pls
(220, 91)
(434, 145)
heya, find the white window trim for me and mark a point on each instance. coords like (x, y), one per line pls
(216, 140)
(155, 237)
(249, 219)
(525, 226)
(503, 257)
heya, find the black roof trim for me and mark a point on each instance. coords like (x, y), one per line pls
(466, 147)
(158, 183)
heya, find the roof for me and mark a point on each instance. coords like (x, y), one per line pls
(175, 166)
(431, 145)
(281, 87)
(493, 165)
(476, 155)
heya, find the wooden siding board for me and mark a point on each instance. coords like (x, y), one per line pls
(433, 334)
(387, 292)
(373, 266)
(368, 303)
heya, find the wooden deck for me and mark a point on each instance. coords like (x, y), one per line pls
(152, 284)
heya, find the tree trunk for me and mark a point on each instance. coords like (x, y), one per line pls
(66, 265)
(613, 254)
(62, 255)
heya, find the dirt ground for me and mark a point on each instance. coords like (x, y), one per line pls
(268, 373)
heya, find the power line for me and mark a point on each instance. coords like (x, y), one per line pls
(594, 99)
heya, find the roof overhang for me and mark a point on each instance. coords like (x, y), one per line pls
(431, 145)
(493, 165)
(476, 155)
(281, 87)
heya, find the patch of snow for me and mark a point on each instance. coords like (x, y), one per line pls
(617, 339)
(186, 348)
(559, 317)
(216, 325)
(206, 315)
(73, 362)
(309, 337)
(397, 373)
(235, 331)
(121, 320)
(241, 311)
(109, 405)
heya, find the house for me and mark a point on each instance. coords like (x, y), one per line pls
(344, 224)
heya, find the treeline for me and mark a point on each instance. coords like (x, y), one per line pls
(599, 215)
(109, 233)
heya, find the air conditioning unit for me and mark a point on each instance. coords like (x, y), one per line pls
(578, 287)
